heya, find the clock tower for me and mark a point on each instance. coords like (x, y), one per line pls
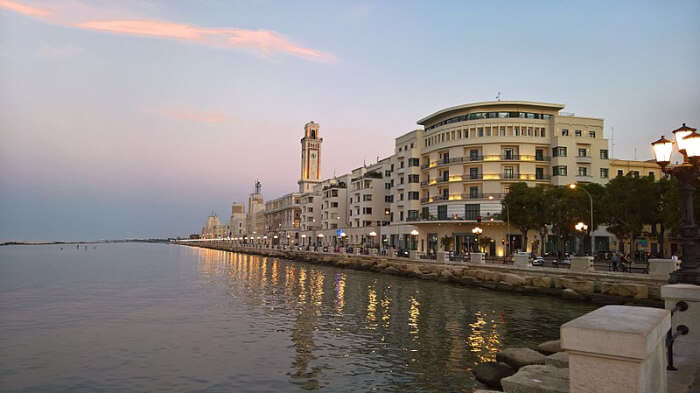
(310, 157)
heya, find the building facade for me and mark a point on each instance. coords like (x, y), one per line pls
(237, 223)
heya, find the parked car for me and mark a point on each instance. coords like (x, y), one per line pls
(538, 261)
(402, 253)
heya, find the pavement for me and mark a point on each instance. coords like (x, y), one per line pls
(686, 358)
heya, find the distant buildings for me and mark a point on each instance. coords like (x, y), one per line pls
(441, 181)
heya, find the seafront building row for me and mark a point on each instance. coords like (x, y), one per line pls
(443, 179)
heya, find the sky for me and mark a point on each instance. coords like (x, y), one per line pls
(135, 118)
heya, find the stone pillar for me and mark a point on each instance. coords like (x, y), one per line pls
(373, 251)
(617, 349)
(442, 257)
(672, 294)
(582, 264)
(522, 259)
(356, 250)
(413, 254)
(661, 268)
(478, 257)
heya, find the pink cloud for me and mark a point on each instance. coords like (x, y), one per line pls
(265, 42)
(24, 9)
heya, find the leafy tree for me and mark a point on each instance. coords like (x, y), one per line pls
(484, 242)
(523, 205)
(446, 242)
(628, 205)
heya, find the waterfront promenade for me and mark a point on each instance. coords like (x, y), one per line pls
(596, 287)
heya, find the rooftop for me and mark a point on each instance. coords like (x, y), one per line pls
(521, 104)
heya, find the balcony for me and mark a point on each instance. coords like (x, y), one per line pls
(453, 160)
(584, 178)
(462, 197)
(583, 159)
(454, 218)
(488, 196)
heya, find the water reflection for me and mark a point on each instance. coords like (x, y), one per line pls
(390, 333)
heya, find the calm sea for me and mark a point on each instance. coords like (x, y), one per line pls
(166, 318)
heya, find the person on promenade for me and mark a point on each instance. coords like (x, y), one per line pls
(615, 260)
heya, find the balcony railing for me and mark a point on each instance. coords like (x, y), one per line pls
(583, 159)
(462, 197)
(443, 218)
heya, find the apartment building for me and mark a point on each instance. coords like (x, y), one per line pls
(237, 222)
(472, 153)
(283, 217)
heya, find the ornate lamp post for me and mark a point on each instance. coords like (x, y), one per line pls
(581, 228)
(687, 173)
(414, 235)
(477, 231)
(590, 198)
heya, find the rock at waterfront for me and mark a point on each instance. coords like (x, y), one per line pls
(571, 294)
(487, 391)
(542, 282)
(538, 379)
(491, 373)
(550, 347)
(580, 286)
(636, 291)
(519, 357)
(513, 279)
(559, 359)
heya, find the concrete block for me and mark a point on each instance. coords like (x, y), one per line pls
(582, 264)
(661, 268)
(442, 257)
(521, 259)
(617, 349)
(477, 257)
(672, 294)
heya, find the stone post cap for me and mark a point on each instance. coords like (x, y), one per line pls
(681, 291)
(617, 331)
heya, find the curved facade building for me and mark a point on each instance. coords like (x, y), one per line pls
(472, 154)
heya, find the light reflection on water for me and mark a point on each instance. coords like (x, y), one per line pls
(186, 319)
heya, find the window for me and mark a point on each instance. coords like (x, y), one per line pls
(539, 173)
(473, 173)
(591, 134)
(508, 172)
(401, 215)
(413, 214)
(413, 162)
(445, 175)
(401, 180)
(516, 131)
(401, 164)
(577, 132)
(564, 132)
(635, 173)
(425, 212)
(604, 154)
(543, 133)
(651, 175)
(471, 211)
(619, 172)
(539, 155)
(582, 171)
(582, 152)
(387, 186)
(442, 212)
(334, 193)
(559, 151)
(388, 198)
(334, 204)
(413, 178)
(367, 197)
(413, 196)
(559, 170)
(401, 196)
(603, 173)
(473, 192)
(445, 193)
(473, 155)
(508, 153)
(366, 210)
(481, 131)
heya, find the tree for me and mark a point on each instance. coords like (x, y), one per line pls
(522, 204)
(446, 242)
(628, 205)
(483, 242)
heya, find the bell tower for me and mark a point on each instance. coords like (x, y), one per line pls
(310, 157)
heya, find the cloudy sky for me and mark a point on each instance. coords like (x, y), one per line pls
(138, 118)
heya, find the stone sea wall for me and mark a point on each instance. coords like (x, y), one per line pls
(596, 287)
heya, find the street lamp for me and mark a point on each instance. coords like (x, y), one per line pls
(477, 231)
(688, 143)
(372, 235)
(508, 220)
(573, 186)
(582, 228)
(414, 234)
